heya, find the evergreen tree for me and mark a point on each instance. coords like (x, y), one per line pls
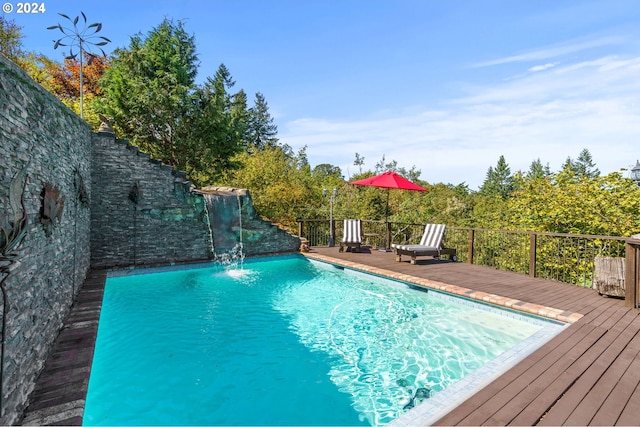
(569, 167)
(261, 130)
(148, 89)
(499, 181)
(538, 170)
(584, 165)
(214, 129)
(150, 93)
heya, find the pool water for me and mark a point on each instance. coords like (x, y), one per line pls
(282, 341)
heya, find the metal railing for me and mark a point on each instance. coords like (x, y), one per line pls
(568, 258)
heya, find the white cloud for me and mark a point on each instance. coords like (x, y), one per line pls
(555, 50)
(551, 115)
(543, 67)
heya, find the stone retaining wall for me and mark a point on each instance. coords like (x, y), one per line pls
(39, 133)
(164, 225)
(167, 222)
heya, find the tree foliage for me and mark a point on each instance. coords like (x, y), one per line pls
(571, 203)
(279, 186)
(65, 84)
(499, 181)
(66, 77)
(11, 40)
(261, 131)
(62, 79)
(538, 170)
(214, 129)
(148, 89)
(151, 95)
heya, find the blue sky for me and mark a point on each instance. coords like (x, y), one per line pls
(445, 86)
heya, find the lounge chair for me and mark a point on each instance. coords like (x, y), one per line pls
(430, 245)
(352, 237)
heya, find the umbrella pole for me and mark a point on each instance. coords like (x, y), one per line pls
(387, 235)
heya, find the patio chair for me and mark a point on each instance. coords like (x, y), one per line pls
(352, 237)
(430, 245)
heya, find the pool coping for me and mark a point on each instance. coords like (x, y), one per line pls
(511, 303)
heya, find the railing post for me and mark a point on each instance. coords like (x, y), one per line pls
(636, 303)
(532, 254)
(471, 241)
(300, 227)
(632, 262)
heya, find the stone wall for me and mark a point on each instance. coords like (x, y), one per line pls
(39, 133)
(167, 221)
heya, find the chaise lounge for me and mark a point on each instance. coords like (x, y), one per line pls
(430, 245)
(352, 235)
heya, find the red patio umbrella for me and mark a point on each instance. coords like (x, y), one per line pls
(388, 180)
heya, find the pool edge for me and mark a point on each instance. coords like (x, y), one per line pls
(510, 303)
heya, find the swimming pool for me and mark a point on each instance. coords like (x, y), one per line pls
(284, 341)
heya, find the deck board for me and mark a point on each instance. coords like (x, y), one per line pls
(589, 374)
(563, 383)
(620, 396)
(481, 408)
(629, 415)
(580, 404)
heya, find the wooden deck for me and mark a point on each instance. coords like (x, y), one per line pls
(587, 375)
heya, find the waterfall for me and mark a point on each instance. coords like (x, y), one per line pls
(240, 226)
(209, 202)
(221, 220)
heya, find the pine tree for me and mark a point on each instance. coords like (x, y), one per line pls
(150, 93)
(538, 170)
(584, 165)
(499, 181)
(261, 129)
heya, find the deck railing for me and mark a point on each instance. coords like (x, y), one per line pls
(569, 258)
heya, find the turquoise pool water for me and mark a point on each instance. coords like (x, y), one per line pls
(282, 341)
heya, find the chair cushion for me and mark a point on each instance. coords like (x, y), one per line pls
(416, 248)
(352, 231)
(433, 235)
